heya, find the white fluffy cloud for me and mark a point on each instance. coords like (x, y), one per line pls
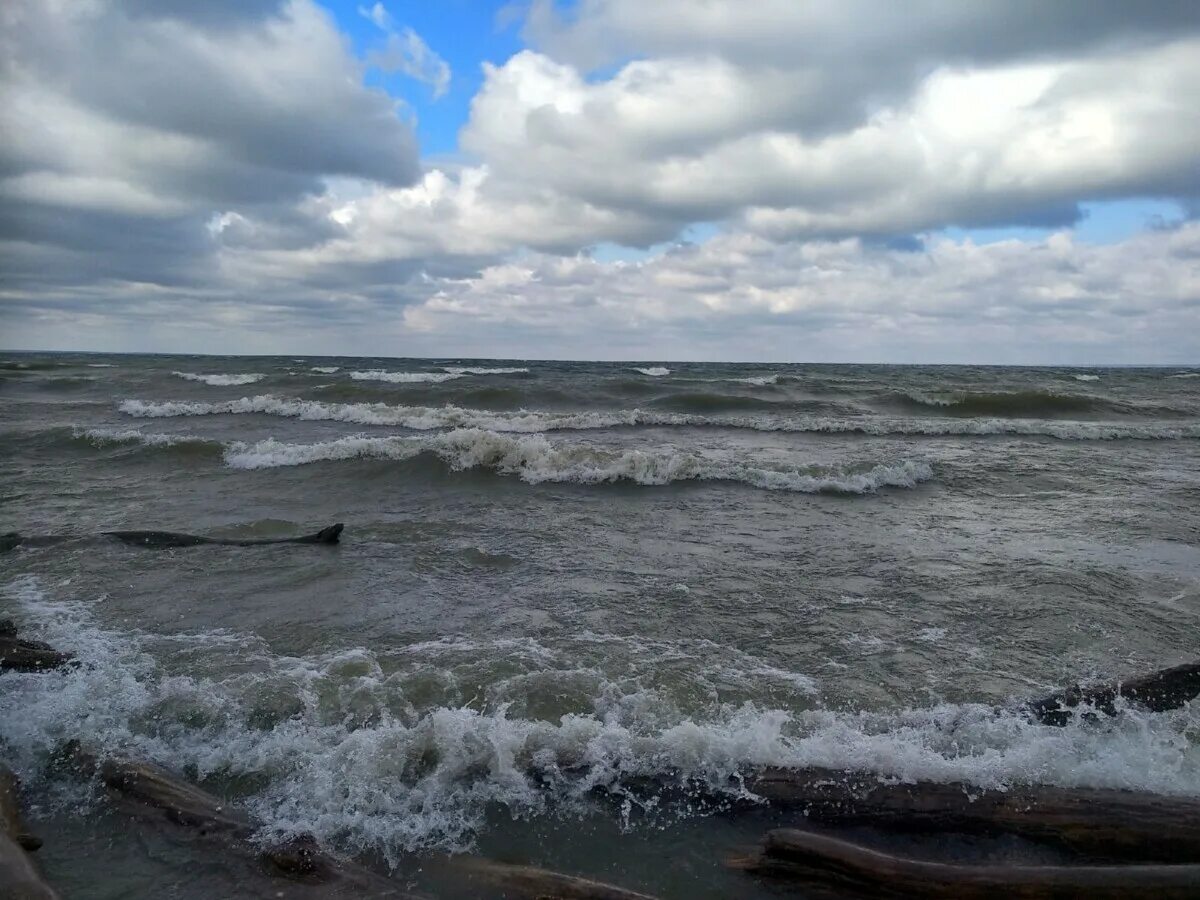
(225, 161)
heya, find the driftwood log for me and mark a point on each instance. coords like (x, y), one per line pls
(527, 881)
(1094, 821)
(152, 788)
(1158, 691)
(21, 655)
(839, 864)
(19, 878)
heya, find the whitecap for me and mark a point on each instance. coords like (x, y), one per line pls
(222, 380)
(404, 377)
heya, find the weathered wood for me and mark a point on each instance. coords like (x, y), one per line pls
(527, 881)
(831, 862)
(21, 655)
(1119, 824)
(19, 878)
(182, 804)
(1158, 691)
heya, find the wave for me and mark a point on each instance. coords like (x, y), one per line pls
(222, 380)
(472, 370)
(101, 366)
(709, 402)
(535, 460)
(110, 437)
(654, 371)
(424, 418)
(364, 769)
(326, 370)
(405, 377)
(1023, 404)
(1086, 377)
(1185, 375)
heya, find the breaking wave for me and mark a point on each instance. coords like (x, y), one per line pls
(405, 377)
(222, 380)
(654, 371)
(472, 370)
(334, 743)
(529, 422)
(534, 459)
(326, 370)
(1086, 377)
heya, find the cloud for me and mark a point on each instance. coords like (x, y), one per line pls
(177, 172)
(142, 123)
(681, 140)
(406, 52)
(736, 296)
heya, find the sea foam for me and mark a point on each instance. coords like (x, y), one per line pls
(405, 377)
(222, 380)
(332, 744)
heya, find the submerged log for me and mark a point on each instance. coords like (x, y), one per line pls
(11, 821)
(19, 877)
(527, 881)
(1097, 821)
(151, 787)
(835, 863)
(21, 655)
(1158, 691)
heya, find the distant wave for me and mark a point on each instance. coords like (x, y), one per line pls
(1024, 404)
(535, 459)
(404, 377)
(222, 380)
(1185, 375)
(101, 366)
(653, 371)
(326, 370)
(424, 418)
(1086, 377)
(471, 370)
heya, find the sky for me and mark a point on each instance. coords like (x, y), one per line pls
(998, 181)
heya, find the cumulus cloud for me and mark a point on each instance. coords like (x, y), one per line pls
(130, 126)
(226, 162)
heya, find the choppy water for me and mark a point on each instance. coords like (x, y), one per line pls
(560, 575)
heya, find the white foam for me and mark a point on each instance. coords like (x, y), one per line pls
(222, 380)
(531, 422)
(654, 371)
(101, 366)
(1185, 375)
(759, 380)
(1086, 377)
(404, 377)
(535, 459)
(326, 370)
(102, 436)
(347, 756)
(471, 370)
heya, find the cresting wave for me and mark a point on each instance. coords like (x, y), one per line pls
(332, 745)
(405, 377)
(535, 460)
(529, 422)
(222, 380)
(472, 370)
(654, 371)
(1030, 404)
